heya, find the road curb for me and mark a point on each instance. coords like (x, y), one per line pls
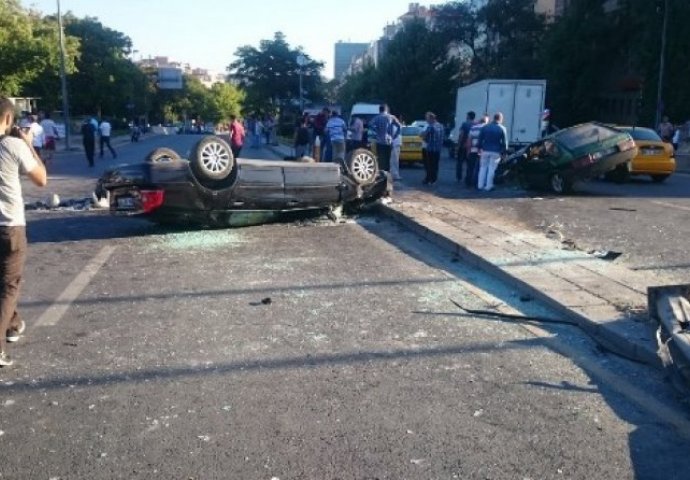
(612, 339)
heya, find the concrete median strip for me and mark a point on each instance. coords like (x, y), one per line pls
(596, 295)
(57, 310)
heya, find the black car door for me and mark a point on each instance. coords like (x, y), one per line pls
(260, 185)
(311, 184)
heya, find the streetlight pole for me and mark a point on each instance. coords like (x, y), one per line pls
(63, 78)
(662, 65)
(301, 61)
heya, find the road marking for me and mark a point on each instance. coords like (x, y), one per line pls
(671, 205)
(55, 312)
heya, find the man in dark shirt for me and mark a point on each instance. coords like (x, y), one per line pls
(463, 149)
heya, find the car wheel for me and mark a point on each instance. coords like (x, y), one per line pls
(560, 184)
(363, 166)
(162, 155)
(211, 158)
(659, 178)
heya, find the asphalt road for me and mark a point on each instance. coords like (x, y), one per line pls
(307, 350)
(648, 223)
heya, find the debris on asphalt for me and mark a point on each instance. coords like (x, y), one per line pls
(54, 203)
(669, 308)
(263, 301)
(511, 316)
(609, 255)
(622, 209)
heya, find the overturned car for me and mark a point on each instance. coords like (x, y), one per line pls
(570, 155)
(213, 189)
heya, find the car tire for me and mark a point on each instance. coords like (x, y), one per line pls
(211, 159)
(560, 184)
(162, 155)
(363, 166)
(659, 178)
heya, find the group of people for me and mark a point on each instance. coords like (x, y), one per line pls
(44, 134)
(481, 145)
(17, 157)
(90, 129)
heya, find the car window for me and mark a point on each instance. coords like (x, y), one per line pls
(411, 131)
(586, 134)
(641, 133)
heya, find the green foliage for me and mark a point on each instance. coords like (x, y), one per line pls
(270, 75)
(106, 80)
(28, 50)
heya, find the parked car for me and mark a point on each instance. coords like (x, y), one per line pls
(655, 157)
(573, 154)
(213, 189)
(411, 149)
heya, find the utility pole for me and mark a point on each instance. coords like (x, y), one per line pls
(63, 78)
(662, 64)
(301, 62)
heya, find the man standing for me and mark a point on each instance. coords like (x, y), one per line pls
(384, 125)
(237, 135)
(493, 142)
(50, 135)
(433, 136)
(88, 139)
(396, 146)
(472, 172)
(463, 150)
(665, 130)
(357, 129)
(336, 129)
(16, 157)
(104, 130)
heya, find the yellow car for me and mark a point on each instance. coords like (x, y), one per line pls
(411, 149)
(655, 157)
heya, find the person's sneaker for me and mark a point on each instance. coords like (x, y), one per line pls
(13, 334)
(5, 360)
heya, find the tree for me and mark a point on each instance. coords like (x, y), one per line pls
(270, 75)
(29, 52)
(106, 81)
(227, 100)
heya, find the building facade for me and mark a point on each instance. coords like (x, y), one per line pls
(345, 53)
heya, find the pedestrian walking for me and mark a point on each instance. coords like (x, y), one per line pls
(50, 138)
(37, 134)
(463, 150)
(104, 130)
(17, 157)
(384, 125)
(88, 135)
(433, 136)
(336, 129)
(493, 143)
(237, 135)
(472, 146)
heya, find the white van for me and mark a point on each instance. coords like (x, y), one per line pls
(365, 111)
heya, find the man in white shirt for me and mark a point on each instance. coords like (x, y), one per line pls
(37, 132)
(104, 130)
(17, 157)
(50, 136)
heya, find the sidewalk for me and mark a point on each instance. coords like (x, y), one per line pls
(606, 300)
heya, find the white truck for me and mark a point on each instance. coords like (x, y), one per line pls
(520, 101)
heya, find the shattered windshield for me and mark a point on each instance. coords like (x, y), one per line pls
(586, 134)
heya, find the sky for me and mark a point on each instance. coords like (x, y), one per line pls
(206, 33)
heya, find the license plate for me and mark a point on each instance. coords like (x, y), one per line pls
(413, 145)
(125, 203)
(649, 151)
